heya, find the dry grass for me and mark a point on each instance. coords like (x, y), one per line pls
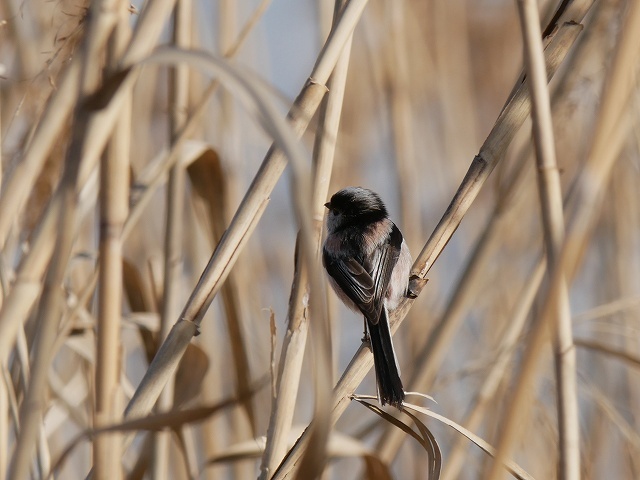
(135, 214)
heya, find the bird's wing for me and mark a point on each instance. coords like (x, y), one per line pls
(366, 285)
(381, 268)
(353, 280)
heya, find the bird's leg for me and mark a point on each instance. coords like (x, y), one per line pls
(416, 284)
(365, 334)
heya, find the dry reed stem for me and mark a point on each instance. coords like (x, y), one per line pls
(42, 448)
(290, 365)
(98, 128)
(179, 97)
(4, 427)
(430, 358)
(509, 121)
(428, 361)
(499, 369)
(512, 185)
(246, 216)
(114, 208)
(59, 107)
(589, 190)
(409, 185)
(50, 304)
(553, 222)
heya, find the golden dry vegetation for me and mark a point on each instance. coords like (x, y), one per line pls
(163, 312)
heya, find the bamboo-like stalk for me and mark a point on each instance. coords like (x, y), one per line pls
(244, 220)
(290, 365)
(179, 98)
(588, 197)
(492, 150)
(1, 165)
(114, 208)
(42, 448)
(553, 221)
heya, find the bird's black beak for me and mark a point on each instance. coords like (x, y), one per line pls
(328, 204)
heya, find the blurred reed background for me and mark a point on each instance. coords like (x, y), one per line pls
(119, 180)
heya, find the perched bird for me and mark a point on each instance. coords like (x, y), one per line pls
(368, 263)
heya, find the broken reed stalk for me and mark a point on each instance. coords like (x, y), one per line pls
(553, 222)
(589, 190)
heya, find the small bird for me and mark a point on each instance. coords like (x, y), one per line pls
(368, 263)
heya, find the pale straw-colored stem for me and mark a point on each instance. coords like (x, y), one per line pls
(589, 190)
(32, 408)
(499, 369)
(98, 127)
(244, 220)
(293, 349)
(428, 361)
(114, 208)
(509, 121)
(553, 228)
(179, 98)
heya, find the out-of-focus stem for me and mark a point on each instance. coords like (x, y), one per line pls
(293, 349)
(114, 208)
(589, 190)
(178, 104)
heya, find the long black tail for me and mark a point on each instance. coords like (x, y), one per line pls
(390, 388)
